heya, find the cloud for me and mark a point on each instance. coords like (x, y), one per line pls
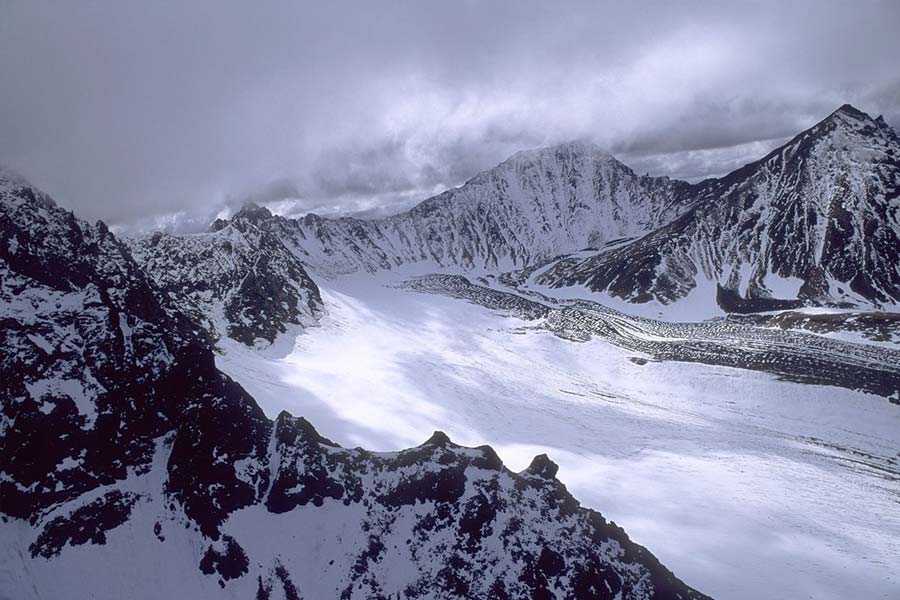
(166, 112)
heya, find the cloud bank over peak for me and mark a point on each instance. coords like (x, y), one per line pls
(162, 114)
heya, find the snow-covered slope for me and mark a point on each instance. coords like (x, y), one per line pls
(237, 280)
(796, 484)
(131, 467)
(815, 222)
(532, 207)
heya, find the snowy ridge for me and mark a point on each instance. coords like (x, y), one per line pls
(816, 222)
(237, 280)
(132, 450)
(532, 207)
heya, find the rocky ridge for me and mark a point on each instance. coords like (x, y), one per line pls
(237, 280)
(534, 206)
(815, 222)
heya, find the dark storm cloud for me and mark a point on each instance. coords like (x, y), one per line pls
(166, 113)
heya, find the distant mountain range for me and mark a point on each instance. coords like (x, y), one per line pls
(816, 222)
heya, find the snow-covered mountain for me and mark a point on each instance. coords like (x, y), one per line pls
(534, 206)
(816, 221)
(237, 280)
(132, 467)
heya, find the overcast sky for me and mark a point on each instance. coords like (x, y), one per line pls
(164, 113)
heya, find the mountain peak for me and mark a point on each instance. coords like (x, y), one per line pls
(11, 180)
(848, 122)
(253, 212)
(438, 438)
(851, 111)
(582, 146)
(564, 150)
(543, 467)
(824, 200)
(578, 147)
(250, 212)
(848, 117)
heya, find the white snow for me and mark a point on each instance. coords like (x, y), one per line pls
(68, 463)
(698, 305)
(783, 287)
(126, 330)
(737, 481)
(82, 396)
(41, 342)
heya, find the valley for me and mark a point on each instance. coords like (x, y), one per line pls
(755, 482)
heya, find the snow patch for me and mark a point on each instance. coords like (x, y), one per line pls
(782, 287)
(82, 393)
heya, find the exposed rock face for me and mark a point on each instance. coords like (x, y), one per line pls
(238, 280)
(95, 363)
(535, 206)
(817, 221)
(126, 453)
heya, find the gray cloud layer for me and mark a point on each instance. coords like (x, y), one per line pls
(166, 112)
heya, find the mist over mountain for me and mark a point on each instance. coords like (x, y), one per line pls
(129, 115)
(813, 223)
